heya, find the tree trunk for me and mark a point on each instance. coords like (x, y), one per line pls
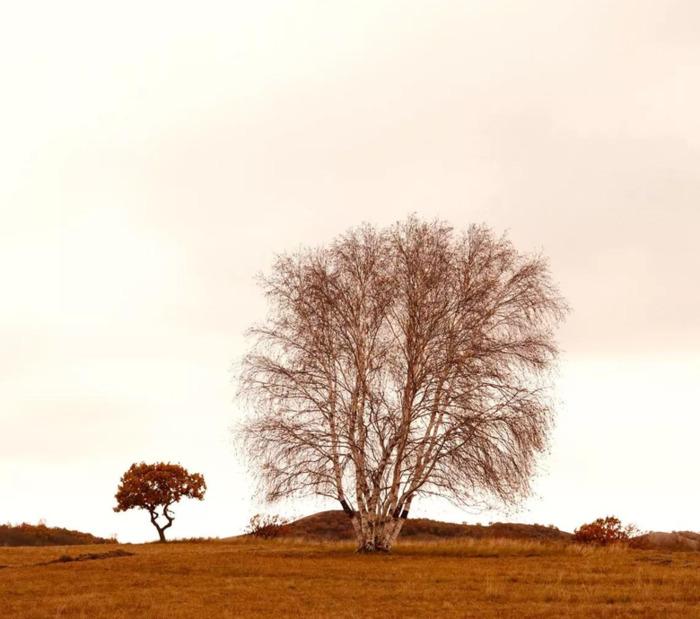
(161, 530)
(376, 534)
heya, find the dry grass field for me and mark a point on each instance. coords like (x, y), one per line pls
(284, 578)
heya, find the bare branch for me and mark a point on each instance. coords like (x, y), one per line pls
(398, 362)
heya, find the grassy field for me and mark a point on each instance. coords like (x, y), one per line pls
(246, 578)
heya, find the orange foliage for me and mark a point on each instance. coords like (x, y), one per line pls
(603, 532)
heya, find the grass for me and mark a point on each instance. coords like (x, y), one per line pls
(286, 578)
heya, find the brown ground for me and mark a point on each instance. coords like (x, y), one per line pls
(244, 578)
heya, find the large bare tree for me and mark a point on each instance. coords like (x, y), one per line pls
(400, 362)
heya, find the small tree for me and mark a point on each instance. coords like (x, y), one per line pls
(603, 532)
(156, 487)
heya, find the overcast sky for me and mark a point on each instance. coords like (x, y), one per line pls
(155, 156)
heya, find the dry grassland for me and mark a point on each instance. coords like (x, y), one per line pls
(244, 578)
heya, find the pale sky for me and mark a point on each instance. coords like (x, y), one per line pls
(155, 156)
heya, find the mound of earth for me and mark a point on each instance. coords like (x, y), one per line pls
(678, 540)
(92, 556)
(40, 535)
(335, 525)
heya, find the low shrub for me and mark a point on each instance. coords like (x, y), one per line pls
(267, 526)
(604, 532)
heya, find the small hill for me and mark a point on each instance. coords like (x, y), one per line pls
(678, 540)
(335, 525)
(40, 535)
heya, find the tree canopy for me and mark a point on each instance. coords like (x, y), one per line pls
(400, 362)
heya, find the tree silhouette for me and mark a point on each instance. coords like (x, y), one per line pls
(158, 486)
(401, 362)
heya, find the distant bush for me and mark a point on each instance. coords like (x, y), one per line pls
(604, 532)
(194, 540)
(40, 535)
(267, 526)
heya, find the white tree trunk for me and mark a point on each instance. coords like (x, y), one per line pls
(376, 534)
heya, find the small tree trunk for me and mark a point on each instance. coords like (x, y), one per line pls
(161, 530)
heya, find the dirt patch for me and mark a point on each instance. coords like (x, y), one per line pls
(657, 560)
(90, 556)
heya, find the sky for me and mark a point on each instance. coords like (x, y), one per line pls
(154, 157)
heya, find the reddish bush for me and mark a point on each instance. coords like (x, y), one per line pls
(603, 532)
(267, 526)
